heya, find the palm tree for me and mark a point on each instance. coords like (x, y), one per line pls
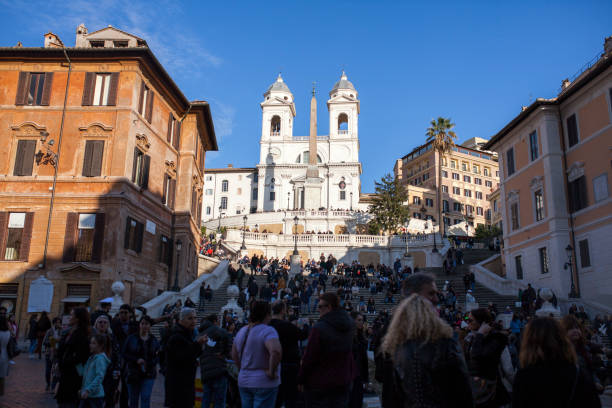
(442, 136)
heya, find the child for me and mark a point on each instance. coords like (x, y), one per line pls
(92, 391)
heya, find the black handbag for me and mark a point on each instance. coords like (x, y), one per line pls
(11, 348)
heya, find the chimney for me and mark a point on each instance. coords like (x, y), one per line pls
(230, 166)
(53, 41)
(564, 84)
(81, 35)
(523, 108)
(608, 45)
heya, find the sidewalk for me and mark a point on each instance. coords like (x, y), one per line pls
(25, 386)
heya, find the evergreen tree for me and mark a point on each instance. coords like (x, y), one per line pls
(388, 209)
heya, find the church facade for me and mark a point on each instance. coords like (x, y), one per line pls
(288, 176)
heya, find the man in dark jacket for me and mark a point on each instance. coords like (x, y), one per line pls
(289, 335)
(328, 367)
(181, 361)
(213, 366)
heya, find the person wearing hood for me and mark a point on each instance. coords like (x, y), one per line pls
(328, 367)
(213, 366)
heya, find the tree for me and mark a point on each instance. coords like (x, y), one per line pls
(442, 136)
(487, 232)
(388, 210)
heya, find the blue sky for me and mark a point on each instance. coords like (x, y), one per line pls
(475, 62)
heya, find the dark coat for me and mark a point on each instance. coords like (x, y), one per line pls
(181, 363)
(360, 353)
(213, 359)
(431, 375)
(133, 350)
(550, 386)
(328, 359)
(73, 350)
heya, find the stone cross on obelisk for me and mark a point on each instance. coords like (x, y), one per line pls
(312, 184)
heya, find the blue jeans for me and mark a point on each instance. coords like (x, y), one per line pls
(258, 397)
(214, 391)
(143, 390)
(33, 344)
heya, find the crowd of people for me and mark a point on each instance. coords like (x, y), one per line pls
(428, 350)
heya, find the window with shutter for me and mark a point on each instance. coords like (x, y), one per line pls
(92, 158)
(518, 264)
(176, 139)
(510, 161)
(149, 112)
(164, 250)
(22, 88)
(544, 262)
(577, 192)
(14, 236)
(78, 290)
(24, 159)
(171, 121)
(572, 130)
(85, 237)
(140, 168)
(133, 235)
(98, 241)
(70, 237)
(585, 256)
(172, 193)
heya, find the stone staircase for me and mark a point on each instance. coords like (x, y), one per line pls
(482, 294)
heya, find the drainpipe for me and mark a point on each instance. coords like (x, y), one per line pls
(57, 158)
(172, 229)
(573, 265)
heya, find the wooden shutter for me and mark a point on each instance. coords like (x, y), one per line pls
(139, 236)
(150, 97)
(46, 95)
(88, 88)
(165, 194)
(24, 160)
(87, 158)
(96, 157)
(177, 135)
(172, 193)
(98, 241)
(141, 108)
(135, 163)
(169, 135)
(4, 217)
(22, 88)
(26, 238)
(126, 239)
(70, 237)
(112, 89)
(145, 171)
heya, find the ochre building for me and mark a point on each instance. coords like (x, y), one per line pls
(129, 152)
(556, 160)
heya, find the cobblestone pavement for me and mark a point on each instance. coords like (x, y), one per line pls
(25, 386)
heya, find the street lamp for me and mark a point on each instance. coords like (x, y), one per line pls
(219, 226)
(179, 245)
(295, 222)
(52, 158)
(244, 219)
(568, 264)
(351, 201)
(288, 195)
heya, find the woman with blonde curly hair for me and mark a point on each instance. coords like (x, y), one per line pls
(429, 368)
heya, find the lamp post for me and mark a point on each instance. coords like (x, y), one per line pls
(219, 226)
(179, 245)
(49, 157)
(351, 201)
(573, 293)
(288, 195)
(295, 223)
(244, 220)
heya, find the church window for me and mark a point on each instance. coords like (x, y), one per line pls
(343, 124)
(342, 195)
(225, 186)
(224, 203)
(272, 195)
(275, 126)
(305, 158)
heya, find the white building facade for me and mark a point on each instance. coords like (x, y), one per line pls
(277, 182)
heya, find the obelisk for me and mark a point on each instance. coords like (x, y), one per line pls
(313, 183)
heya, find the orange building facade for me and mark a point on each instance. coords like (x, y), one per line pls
(101, 173)
(556, 159)
(468, 175)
